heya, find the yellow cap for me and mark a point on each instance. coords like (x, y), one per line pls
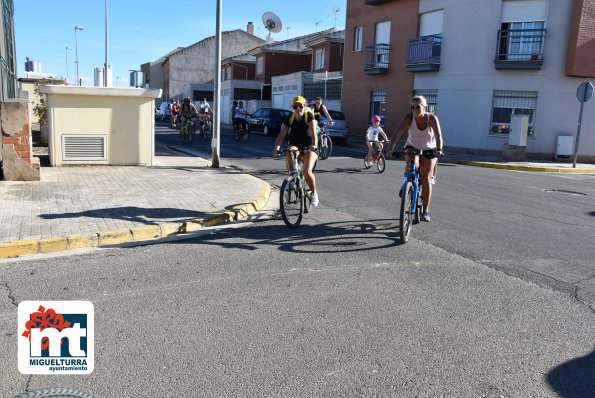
(298, 100)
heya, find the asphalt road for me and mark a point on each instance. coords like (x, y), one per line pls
(490, 299)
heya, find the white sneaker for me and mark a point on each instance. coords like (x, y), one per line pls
(314, 199)
(433, 180)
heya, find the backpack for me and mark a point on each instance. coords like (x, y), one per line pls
(305, 118)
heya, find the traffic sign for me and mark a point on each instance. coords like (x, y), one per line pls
(584, 91)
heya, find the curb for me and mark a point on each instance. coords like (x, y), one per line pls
(57, 244)
(522, 168)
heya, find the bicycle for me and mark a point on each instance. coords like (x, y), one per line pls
(377, 158)
(411, 193)
(241, 133)
(325, 143)
(205, 129)
(294, 198)
(188, 129)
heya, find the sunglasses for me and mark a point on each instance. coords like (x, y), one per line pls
(298, 106)
(418, 107)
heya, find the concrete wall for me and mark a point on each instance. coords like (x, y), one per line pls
(124, 115)
(467, 79)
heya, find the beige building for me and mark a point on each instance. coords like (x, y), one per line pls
(196, 63)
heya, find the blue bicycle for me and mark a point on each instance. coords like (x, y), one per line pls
(412, 204)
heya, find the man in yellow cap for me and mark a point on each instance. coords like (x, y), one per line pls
(301, 127)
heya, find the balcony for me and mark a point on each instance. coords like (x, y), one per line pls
(424, 54)
(520, 49)
(377, 59)
(377, 2)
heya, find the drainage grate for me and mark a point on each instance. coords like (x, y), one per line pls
(84, 147)
(565, 192)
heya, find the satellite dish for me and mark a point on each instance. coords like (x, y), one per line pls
(272, 23)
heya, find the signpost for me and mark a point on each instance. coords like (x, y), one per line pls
(583, 93)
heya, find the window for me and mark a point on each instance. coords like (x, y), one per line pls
(382, 38)
(508, 103)
(522, 32)
(431, 97)
(259, 65)
(319, 64)
(228, 72)
(378, 104)
(358, 35)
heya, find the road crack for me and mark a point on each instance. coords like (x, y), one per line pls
(11, 296)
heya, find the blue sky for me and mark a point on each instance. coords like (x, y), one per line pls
(141, 31)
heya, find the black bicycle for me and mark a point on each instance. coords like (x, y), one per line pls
(240, 132)
(188, 130)
(295, 198)
(325, 145)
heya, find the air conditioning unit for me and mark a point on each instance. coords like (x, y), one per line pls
(564, 147)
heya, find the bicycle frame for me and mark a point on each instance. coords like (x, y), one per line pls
(413, 176)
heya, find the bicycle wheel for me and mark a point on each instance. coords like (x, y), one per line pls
(419, 207)
(381, 163)
(56, 393)
(245, 135)
(326, 146)
(291, 202)
(183, 134)
(191, 133)
(307, 201)
(367, 162)
(405, 216)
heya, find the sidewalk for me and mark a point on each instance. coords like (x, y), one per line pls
(496, 162)
(87, 206)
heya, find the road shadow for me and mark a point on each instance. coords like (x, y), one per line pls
(334, 238)
(142, 215)
(575, 378)
(591, 213)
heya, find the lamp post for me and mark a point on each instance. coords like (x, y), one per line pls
(105, 66)
(67, 49)
(76, 46)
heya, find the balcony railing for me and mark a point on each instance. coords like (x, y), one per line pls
(424, 54)
(520, 49)
(377, 59)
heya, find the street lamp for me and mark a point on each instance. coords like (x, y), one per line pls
(67, 49)
(76, 46)
(106, 64)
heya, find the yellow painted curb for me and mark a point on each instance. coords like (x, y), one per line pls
(218, 218)
(51, 245)
(81, 241)
(20, 247)
(526, 168)
(146, 232)
(170, 228)
(193, 225)
(114, 237)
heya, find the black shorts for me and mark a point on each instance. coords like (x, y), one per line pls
(429, 155)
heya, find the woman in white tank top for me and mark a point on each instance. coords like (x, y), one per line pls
(423, 132)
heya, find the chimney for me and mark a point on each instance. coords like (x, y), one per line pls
(250, 28)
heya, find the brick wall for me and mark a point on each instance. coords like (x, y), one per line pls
(397, 83)
(580, 61)
(17, 147)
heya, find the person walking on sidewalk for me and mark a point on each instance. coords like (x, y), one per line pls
(423, 133)
(300, 129)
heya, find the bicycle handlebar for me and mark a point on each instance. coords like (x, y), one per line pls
(417, 152)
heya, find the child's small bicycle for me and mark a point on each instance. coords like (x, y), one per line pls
(377, 158)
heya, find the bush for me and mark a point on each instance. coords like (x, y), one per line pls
(41, 109)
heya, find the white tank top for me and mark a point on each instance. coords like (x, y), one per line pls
(373, 133)
(421, 139)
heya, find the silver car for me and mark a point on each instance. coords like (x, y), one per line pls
(340, 127)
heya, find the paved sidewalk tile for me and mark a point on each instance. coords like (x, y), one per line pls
(91, 199)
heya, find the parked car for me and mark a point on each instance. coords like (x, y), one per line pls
(163, 112)
(267, 120)
(340, 127)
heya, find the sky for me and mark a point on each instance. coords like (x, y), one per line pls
(141, 31)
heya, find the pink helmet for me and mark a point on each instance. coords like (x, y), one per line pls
(375, 118)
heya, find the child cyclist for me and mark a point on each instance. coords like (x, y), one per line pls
(372, 136)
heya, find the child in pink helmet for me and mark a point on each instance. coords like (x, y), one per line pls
(372, 136)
